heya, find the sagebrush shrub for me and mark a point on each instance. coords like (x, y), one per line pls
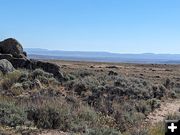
(11, 115)
(47, 118)
(10, 78)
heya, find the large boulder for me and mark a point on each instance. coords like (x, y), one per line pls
(13, 47)
(16, 62)
(6, 66)
(12, 50)
(34, 64)
(48, 67)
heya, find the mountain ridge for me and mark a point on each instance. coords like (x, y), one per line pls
(103, 56)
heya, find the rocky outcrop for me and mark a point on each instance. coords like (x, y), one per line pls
(12, 50)
(6, 66)
(13, 47)
(48, 67)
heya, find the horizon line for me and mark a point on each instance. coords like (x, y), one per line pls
(105, 52)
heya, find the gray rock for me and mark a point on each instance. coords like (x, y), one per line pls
(16, 62)
(13, 47)
(47, 67)
(6, 66)
(12, 50)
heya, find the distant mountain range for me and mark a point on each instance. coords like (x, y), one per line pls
(103, 56)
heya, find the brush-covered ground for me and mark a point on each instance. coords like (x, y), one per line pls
(94, 99)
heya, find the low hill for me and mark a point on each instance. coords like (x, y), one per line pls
(103, 56)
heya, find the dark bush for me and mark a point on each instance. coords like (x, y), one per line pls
(112, 67)
(154, 103)
(143, 107)
(112, 73)
(47, 118)
(24, 77)
(121, 81)
(167, 83)
(79, 88)
(159, 91)
(82, 73)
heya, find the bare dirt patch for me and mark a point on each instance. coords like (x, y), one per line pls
(168, 107)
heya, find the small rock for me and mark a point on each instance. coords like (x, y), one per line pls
(6, 66)
(37, 84)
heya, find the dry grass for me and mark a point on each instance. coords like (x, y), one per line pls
(96, 98)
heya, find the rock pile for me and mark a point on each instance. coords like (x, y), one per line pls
(11, 50)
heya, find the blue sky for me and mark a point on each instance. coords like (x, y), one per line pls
(123, 26)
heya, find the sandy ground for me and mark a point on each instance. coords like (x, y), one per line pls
(168, 107)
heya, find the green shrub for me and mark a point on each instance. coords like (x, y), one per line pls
(17, 89)
(143, 107)
(70, 77)
(81, 73)
(11, 114)
(140, 131)
(10, 78)
(47, 118)
(50, 113)
(39, 72)
(102, 131)
(154, 103)
(79, 88)
(24, 77)
(26, 84)
(87, 114)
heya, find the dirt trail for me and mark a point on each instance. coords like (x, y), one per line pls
(168, 107)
